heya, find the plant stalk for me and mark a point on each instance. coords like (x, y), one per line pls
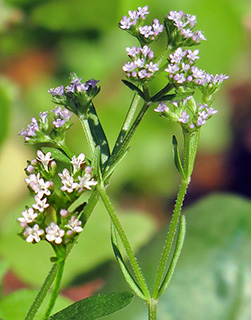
(124, 239)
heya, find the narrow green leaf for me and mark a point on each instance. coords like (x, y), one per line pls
(98, 134)
(127, 275)
(94, 307)
(57, 154)
(96, 163)
(176, 255)
(176, 156)
(131, 86)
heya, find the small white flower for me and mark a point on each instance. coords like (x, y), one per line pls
(40, 205)
(86, 181)
(74, 225)
(33, 233)
(152, 67)
(44, 159)
(54, 233)
(28, 217)
(67, 180)
(38, 184)
(77, 162)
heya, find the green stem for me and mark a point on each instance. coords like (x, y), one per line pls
(42, 293)
(124, 240)
(54, 294)
(190, 149)
(127, 122)
(85, 124)
(170, 237)
(152, 309)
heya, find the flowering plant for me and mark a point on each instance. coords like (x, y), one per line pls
(54, 216)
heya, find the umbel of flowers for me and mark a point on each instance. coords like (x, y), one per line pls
(49, 217)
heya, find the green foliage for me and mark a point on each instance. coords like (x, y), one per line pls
(16, 304)
(94, 307)
(213, 269)
(75, 15)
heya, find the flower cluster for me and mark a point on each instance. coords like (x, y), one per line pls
(180, 28)
(189, 114)
(39, 130)
(141, 65)
(181, 70)
(77, 96)
(51, 202)
(134, 24)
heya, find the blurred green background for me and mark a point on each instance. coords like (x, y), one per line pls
(41, 42)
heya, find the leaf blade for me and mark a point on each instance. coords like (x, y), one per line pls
(94, 307)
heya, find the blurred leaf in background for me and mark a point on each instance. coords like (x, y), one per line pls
(212, 278)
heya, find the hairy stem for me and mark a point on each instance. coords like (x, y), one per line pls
(54, 294)
(124, 239)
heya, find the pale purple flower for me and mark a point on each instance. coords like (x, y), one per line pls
(70, 89)
(77, 162)
(43, 116)
(125, 23)
(40, 204)
(178, 55)
(162, 107)
(45, 159)
(133, 16)
(54, 233)
(34, 233)
(174, 15)
(58, 123)
(197, 36)
(142, 12)
(92, 83)
(179, 78)
(82, 87)
(129, 66)
(65, 114)
(191, 19)
(187, 33)
(142, 74)
(185, 67)
(58, 91)
(172, 68)
(31, 130)
(139, 63)
(157, 27)
(28, 216)
(184, 117)
(152, 67)
(193, 55)
(146, 31)
(67, 180)
(132, 52)
(146, 51)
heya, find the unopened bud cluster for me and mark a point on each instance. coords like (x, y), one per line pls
(76, 96)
